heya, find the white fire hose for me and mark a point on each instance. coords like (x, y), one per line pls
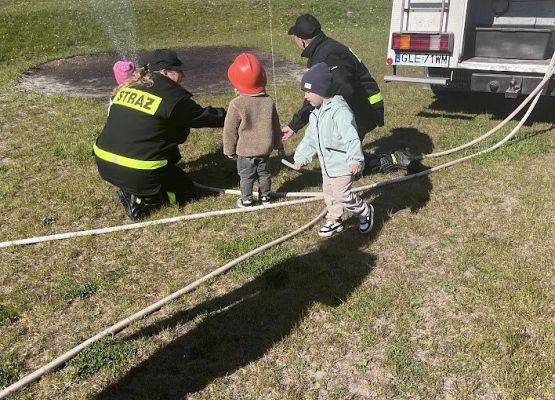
(137, 225)
(537, 90)
(316, 196)
(312, 195)
(149, 310)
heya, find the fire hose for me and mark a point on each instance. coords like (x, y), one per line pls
(309, 196)
(534, 97)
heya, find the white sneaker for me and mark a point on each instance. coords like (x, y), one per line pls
(244, 203)
(366, 223)
(330, 228)
(265, 200)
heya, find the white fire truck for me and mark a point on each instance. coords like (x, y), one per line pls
(495, 46)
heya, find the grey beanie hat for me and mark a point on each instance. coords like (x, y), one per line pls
(317, 80)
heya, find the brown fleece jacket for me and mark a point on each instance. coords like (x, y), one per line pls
(251, 126)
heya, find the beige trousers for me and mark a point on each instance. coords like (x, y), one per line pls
(338, 197)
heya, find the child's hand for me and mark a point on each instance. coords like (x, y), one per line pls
(232, 157)
(286, 132)
(355, 168)
(297, 166)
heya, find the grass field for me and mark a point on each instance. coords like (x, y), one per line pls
(451, 297)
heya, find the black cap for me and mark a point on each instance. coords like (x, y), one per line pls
(165, 59)
(306, 27)
(317, 79)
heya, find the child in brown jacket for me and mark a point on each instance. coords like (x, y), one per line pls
(251, 129)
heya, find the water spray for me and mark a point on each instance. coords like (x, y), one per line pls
(117, 19)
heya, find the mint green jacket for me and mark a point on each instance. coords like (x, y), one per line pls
(331, 134)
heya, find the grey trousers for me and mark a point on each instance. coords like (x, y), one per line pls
(338, 197)
(251, 169)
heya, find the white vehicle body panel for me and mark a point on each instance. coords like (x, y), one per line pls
(425, 16)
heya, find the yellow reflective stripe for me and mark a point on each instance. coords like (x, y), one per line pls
(137, 100)
(394, 159)
(128, 162)
(355, 54)
(376, 98)
(172, 198)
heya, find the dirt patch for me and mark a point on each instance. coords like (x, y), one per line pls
(90, 76)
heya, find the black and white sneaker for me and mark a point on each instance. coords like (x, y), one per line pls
(265, 200)
(241, 203)
(366, 223)
(330, 228)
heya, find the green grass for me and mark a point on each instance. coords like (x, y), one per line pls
(412, 375)
(9, 372)
(8, 314)
(71, 290)
(81, 291)
(107, 353)
(449, 298)
(257, 264)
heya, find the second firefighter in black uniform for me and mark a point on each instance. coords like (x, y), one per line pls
(352, 80)
(137, 151)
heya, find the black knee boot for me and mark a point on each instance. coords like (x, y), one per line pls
(385, 163)
(139, 207)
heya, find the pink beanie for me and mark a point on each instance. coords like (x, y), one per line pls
(123, 71)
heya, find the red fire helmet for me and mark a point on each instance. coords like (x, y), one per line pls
(246, 74)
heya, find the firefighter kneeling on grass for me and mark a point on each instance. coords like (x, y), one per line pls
(137, 151)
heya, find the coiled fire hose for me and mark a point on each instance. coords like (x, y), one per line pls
(156, 306)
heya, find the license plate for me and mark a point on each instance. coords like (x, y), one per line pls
(422, 59)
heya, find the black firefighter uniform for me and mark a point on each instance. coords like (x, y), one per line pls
(351, 79)
(137, 150)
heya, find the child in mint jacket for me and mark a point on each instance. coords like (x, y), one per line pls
(332, 135)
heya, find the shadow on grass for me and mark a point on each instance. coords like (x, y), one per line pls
(238, 328)
(412, 195)
(450, 105)
(418, 142)
(213, 169)
(216, 170)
